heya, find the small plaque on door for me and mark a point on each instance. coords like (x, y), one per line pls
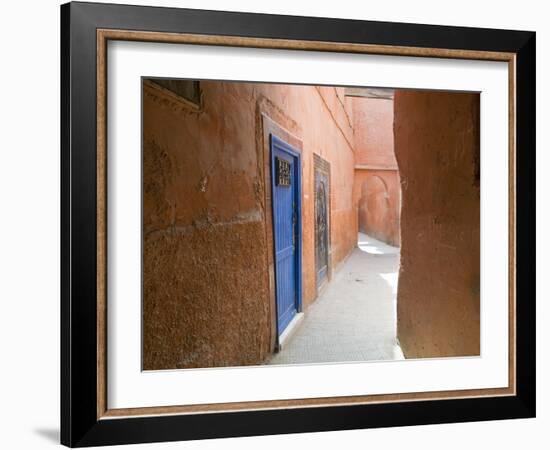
(283, 172)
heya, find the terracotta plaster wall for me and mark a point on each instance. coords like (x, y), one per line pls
(378, 194)
(377, 190)
(321, 118)
(373, 124)
(437, 149)
(207, 290)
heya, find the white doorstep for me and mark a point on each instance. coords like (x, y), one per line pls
(290, 330)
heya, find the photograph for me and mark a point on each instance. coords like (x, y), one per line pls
(302, 224)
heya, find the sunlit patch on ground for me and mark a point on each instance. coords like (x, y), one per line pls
(355, 317)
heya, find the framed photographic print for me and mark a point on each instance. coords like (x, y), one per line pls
(277, 224)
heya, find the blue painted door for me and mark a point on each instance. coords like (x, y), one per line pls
(286, 204)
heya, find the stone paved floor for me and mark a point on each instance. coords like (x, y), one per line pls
(354, 319)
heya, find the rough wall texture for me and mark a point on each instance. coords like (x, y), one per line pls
(207, 256)
(377, 191)
(437, 149)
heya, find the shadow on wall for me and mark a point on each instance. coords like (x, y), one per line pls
(437, 150)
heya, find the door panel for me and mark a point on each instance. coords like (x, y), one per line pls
(285, 176)
(321, 225)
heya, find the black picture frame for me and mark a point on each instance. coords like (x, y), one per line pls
(80, 425)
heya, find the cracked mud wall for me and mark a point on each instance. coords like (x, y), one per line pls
(437, 150)
(207, 291)
(202, 227)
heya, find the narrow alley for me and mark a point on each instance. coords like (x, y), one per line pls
(354, 318)
(275, 217)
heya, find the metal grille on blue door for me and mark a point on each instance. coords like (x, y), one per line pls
(322, 215)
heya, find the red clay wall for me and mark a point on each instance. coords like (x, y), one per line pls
(437, 149)
(377, 189)
(373, 124)
(207, 289)
(378, 195)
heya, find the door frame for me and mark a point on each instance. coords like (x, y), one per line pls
(281, 145)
